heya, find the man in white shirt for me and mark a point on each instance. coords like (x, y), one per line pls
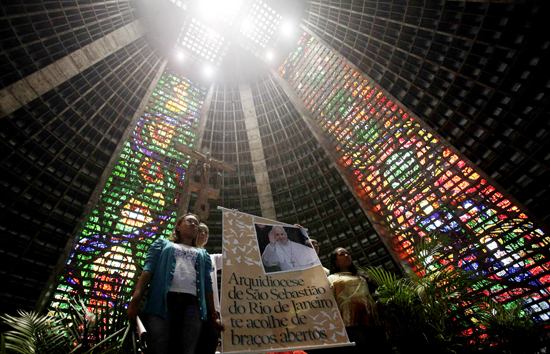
(286, 254)
(208, 340)
(313, 243)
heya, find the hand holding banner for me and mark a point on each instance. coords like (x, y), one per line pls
(275, 294)
(142, 332)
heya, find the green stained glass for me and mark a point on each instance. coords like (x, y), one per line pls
(138, 203)
(416, 183)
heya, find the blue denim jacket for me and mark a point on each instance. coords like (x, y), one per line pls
(161, 263)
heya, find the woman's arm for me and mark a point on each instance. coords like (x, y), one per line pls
(141, 287)
(213, 316)
(153, 256)
(371, 284)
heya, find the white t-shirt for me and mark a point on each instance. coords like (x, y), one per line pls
(217, 263)
(185, 275)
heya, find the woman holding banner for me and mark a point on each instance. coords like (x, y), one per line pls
(180, 296)
(357, 307)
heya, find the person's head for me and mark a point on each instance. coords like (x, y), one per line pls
(187, 227)
(313, 243)
(280, 234)
(340, 261)
(202, 237)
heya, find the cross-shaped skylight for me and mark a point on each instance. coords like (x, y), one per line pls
(251, 24)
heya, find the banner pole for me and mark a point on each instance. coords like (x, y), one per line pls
(272, 350)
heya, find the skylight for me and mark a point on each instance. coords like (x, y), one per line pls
(212, 26)
(260, 23)
(180, 3)
(202, 40)
(226, 10)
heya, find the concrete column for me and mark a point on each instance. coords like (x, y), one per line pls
(257, 152)
(36, 84)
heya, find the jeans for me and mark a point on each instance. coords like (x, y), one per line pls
(179, 332)
(208, 340)
(368, 339)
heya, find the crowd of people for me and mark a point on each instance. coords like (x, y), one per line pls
(182, 307)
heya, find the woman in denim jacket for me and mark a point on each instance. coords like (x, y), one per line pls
(180, 296)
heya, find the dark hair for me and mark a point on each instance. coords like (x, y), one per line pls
(201, 226)
(175, 236)
(334, 267)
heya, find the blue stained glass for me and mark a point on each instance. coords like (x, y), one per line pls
(479, 208)
(138, 204)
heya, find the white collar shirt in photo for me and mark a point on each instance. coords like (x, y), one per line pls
(185, 275)
(290, 256)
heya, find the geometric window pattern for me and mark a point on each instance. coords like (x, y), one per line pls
(260, 23)
(180, 3)
(225, 136)
(305, 184)
(140, 199)
(415, 183)
(202, 40)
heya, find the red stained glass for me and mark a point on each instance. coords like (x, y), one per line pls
(418, 183)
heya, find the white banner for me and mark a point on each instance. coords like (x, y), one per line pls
(275, 295)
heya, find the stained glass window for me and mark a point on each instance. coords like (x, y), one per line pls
(139, 201)
(415, 183)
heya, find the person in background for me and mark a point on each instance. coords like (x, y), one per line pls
(180, 297)
(209, 336)
(357, 307)
(313, 243)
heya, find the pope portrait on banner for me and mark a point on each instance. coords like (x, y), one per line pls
(282, 254)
